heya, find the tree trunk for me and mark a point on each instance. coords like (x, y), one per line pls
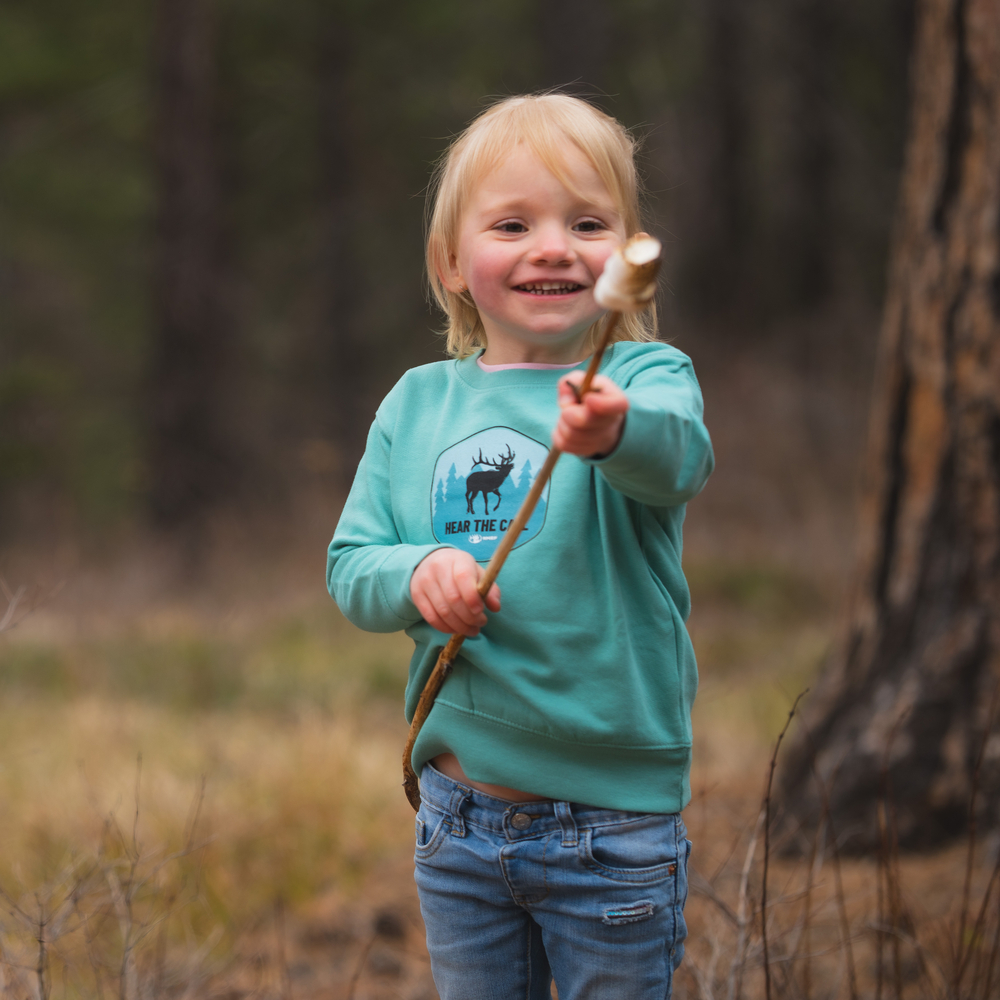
(575, 42)
(810, 228)
(908, 698)
(720, 215)
(189, 454)
(344, 352)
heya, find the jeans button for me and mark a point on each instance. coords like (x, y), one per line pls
(521, 821)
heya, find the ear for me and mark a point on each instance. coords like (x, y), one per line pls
(452, 278)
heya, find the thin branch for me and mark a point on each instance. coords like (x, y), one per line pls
(767, 841)
(359, 968)
(12, 602)
(734, 986)
(845, 927)
(700, 886)
(962, 952)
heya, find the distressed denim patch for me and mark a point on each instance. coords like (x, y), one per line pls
(631, 913)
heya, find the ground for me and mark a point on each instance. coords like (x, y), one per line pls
(201, 783)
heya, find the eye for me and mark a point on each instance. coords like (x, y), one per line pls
(589, 226)
(511, 226)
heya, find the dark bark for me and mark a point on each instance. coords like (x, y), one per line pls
(575, 43)
(921, 654)
(717, 269)
(344, 354)
(190, 453)
(807, 241)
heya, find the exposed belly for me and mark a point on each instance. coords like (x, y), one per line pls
(447, 763)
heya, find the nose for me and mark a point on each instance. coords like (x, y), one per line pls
(551, 246)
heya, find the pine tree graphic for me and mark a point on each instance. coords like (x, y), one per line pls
(524, 481)
(456, 484)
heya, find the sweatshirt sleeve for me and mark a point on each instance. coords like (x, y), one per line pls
(665, 455)
(368, 566)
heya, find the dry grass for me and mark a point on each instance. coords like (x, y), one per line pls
(270, 852)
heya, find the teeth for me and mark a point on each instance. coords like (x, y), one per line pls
(541, 287)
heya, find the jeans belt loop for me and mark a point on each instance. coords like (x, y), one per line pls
(458, 799)
(570, 835)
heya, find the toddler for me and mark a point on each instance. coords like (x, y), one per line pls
(554, 764)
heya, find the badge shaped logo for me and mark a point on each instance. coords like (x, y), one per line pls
(478, 486)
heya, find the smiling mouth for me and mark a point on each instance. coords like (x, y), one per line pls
(549, 287)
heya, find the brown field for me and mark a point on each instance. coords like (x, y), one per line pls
(205, 801)
(201, 794)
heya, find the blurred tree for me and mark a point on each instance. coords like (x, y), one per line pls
(73, 202)
(913, 685)
(315, 175)
(809, 220)
(575, 43)
(346, 355)
(190, 451)
(717, 269)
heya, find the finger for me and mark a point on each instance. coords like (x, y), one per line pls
(458, 609)
(428, 613)
(433, 606)
(466, 579)
(599, 437)
(577, 417)
(606, 403)
(493, 594)
(443, 616)
(575, 442)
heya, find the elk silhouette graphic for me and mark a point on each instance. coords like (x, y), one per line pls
(488, 482)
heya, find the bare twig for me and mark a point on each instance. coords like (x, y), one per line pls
(845, 927)
(980, 923)
(962, 952)
(891, 849)
(734, 986)
(360, 966)
(767, 841)
(15, 598)
(703, 979)
(12, 602)
(279, 930)
(701, 886)
(992, 960)
(43, 961)
(815, 863)
(886, 881)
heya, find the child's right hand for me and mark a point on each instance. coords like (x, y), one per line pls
(443, 587)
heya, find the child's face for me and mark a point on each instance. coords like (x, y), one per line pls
(530, 251)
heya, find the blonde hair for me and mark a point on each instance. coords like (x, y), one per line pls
(542, 122)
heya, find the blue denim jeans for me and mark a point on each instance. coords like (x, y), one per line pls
(514, 895)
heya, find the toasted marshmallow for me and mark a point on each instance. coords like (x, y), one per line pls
(628, 281)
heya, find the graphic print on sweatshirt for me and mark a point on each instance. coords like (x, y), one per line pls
(478, 486)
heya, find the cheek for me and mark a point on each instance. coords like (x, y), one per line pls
(597, 257)
(487, 272)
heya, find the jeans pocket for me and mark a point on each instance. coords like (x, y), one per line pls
(437, 824)
(639, 851)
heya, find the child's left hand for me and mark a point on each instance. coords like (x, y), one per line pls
(591, 428)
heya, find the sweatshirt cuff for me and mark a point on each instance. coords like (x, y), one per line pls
(394, 578)
(641, 437)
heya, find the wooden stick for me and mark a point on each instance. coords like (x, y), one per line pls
(446, 658)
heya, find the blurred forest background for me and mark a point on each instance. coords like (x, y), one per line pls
(211, 232)
(210, 273)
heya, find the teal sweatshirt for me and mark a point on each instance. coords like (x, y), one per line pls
(580, 687)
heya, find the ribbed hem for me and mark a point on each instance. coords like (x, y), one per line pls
(611, 777)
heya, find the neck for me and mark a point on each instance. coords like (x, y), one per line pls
(534, 354)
